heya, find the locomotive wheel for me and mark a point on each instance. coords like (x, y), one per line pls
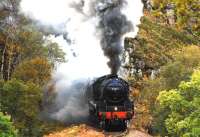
(107, 125)
(116, 126)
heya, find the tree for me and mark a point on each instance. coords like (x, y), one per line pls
(183, 106)
(6, 127)
(37, 70)
(23, 102)
(21, 39)
(55, 55)
(185, 60)
(8, 31)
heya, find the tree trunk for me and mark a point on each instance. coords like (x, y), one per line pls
(3, 61)
(9, 66)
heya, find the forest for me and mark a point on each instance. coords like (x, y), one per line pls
(163, 70)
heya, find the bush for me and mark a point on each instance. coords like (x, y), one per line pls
(6, 127)
(183, 107)
(22, 101)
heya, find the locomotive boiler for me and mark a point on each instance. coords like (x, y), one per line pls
(109, 101)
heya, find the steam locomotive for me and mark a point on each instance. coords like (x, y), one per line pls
(109, 102)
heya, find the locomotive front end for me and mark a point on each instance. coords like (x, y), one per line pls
(110, 102)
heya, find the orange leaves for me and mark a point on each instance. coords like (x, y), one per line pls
(36, 70)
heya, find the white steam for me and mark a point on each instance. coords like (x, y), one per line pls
(84, 53)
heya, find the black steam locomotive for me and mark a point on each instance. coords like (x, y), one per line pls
(109, 102)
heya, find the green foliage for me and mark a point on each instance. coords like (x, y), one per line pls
(183, 105)
(185, 60)
(23, 102)
(180, 69)
(33, 45)
(31, 42)
(6, 127)
(55, 54)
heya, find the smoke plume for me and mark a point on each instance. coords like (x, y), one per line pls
(69, 104)
(91, 32)
(113, 25)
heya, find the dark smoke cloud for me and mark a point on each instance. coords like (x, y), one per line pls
(113, 25)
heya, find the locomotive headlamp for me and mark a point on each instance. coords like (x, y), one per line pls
(115, 108)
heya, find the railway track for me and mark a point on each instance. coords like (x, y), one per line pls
(117, 131)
